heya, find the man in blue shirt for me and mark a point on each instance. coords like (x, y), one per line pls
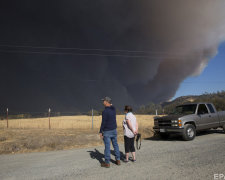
(108, 131)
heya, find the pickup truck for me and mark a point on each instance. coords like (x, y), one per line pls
(189, 118)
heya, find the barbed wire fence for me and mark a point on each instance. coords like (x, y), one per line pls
(49, 119)
(56, 120)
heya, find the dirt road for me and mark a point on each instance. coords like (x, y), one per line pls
(157, 159)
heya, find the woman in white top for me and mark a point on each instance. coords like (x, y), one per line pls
(130, 127)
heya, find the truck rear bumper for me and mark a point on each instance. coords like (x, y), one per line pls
(168, 129)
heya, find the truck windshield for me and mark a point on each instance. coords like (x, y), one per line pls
(185, 109)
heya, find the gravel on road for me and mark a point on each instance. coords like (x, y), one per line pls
(158, 159)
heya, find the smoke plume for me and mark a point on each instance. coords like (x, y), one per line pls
(133, 51)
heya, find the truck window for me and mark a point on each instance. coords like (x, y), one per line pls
(202, 109)
(185, 109)
(211, 109)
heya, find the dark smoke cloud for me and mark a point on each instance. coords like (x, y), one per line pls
(175, 39)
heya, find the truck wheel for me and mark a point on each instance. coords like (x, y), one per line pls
(189, 132)
(164, 135)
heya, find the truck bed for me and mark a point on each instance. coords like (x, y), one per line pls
(221, 115)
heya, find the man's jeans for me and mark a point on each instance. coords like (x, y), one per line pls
(109, 136)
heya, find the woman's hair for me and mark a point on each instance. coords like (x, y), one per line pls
(128, 108)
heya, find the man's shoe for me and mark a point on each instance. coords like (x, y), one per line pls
(118, 162)
(106, 165)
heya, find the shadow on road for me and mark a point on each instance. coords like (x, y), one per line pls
(96, 155)
(122, 156)
(99, 156)
(178, 137)
(211, 131)
(171, 137)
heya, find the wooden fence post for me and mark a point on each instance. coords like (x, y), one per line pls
(49, 123)
(92, 119)
(7, 113)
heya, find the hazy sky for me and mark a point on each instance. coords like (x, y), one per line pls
(69, 54)
(211, 80)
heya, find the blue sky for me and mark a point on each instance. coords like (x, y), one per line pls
(211, 80)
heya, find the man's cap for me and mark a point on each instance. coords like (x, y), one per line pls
(108, 99)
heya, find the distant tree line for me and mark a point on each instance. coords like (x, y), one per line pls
(218, 99)
(150, 109)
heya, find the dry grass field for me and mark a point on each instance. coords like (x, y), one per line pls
(70, 122)
(33, 135)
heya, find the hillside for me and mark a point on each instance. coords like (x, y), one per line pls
(218, 99)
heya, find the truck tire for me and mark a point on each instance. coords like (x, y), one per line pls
(164, 135)
(189, 132)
